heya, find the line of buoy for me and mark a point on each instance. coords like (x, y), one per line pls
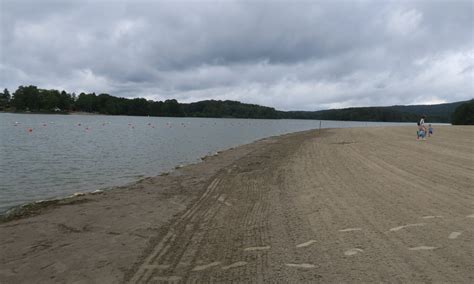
(168, 125)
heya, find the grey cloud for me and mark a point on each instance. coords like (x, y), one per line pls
(290, 55)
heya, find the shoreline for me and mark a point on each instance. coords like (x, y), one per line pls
(151, 204)
(297, 207)
(36, 207)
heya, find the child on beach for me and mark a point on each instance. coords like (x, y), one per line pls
(430, 130)
(420, 134)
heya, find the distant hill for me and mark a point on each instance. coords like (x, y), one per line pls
(357, 114)
(464, 114)
(435, 113)
(399, 113)
(33, 99)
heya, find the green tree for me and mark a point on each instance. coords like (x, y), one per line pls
(87, 102)
(112, 107)
(4, 99)
(49, 99)
(464, 114)
(138, 106)
(65, 101)
(26, 98)
(172, 108)
(156, 108)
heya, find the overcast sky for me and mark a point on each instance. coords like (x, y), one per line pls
(291, 55)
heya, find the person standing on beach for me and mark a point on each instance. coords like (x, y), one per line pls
(422, 121)
(421, 133)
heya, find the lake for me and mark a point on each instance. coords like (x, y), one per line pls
(47, 156)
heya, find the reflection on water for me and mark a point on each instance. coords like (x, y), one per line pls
(45, 156)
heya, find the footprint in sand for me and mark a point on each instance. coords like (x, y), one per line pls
(406, 226)
(234, 265)
(432, 217)
(157, 266)
(423, 248)
(308, 243)
(178, 204)
(454, 235)
(300, 265)
(167, 278)
(350, 229)
(353, 251)
(206, 266)
(257, 248)
(222, 200)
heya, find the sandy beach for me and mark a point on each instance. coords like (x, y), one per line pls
(345, 205)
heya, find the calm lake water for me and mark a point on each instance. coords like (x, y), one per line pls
(64, 154)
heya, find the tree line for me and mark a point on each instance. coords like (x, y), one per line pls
(464, 114)
(33, 99)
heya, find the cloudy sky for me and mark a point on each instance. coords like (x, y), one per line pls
(291, 55)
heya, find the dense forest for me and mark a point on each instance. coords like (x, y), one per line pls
(385, 114)
(434, 113)
(34, 99)
(464, 114)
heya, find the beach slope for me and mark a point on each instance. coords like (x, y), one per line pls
(345, 205)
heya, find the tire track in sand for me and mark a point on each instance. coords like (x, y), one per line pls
(145, 271)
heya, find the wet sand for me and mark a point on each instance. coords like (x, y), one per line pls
(346, 205)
